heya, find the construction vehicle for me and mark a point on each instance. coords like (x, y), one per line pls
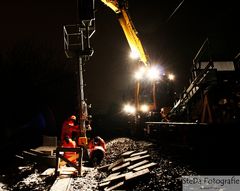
(145, 93)
(137, 109)
(149, 92)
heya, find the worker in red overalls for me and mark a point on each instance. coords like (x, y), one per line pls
(96, 150)
(68, 128)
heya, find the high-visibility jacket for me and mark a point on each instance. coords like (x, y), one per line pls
(100, 145)
(67, 129)
(70, 155)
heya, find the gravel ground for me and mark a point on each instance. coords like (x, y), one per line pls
(165, 176)
(25, 178)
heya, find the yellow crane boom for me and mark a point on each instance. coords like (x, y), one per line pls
(128, 29)
(120, 8)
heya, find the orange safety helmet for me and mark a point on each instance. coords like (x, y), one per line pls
(73, 117)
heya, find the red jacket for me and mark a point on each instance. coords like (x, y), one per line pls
(95, 145)
(67, 129)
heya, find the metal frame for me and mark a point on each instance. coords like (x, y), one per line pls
(76, 39)
(78, 150)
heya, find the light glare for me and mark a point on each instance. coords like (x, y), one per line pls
(171, 77)
(153, 73)
(129, 109)
(144, 108)
(134, 55)
(140, 73)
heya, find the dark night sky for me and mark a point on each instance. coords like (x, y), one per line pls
(172, 44)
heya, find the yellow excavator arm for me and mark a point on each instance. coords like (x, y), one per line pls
(128, 29)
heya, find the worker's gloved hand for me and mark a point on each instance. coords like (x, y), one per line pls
(88, 128)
